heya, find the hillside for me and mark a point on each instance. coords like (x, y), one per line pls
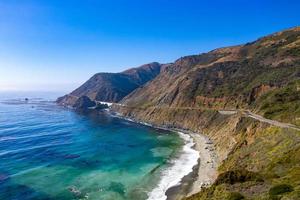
(112, 87)
(257, 160)
(227, 77)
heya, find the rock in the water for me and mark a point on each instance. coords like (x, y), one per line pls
(101, 106)
(83, 103)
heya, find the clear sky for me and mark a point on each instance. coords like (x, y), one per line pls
(58, 44)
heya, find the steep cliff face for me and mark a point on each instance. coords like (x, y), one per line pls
(112, 87)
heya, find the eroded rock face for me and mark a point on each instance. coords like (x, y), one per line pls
(259, 91)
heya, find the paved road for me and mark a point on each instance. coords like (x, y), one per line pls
(269, 121)
(260, 118)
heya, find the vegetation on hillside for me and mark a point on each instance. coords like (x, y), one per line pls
(231, 77)
(282, 104)
(264, 165)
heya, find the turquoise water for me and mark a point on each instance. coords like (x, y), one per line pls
(48, 152)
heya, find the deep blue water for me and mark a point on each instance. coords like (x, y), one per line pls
(49, 152)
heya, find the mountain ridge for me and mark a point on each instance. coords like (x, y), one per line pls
(252, 59)
(112, 87)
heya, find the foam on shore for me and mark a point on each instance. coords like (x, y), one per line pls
(180, 167)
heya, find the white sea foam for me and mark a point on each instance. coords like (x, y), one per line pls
(146, 124)
(180, 167)
(107, 103)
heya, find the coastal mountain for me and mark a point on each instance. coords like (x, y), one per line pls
(246, 99)
(228, 77)
(112, 87)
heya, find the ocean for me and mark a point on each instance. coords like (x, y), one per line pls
(50, 152)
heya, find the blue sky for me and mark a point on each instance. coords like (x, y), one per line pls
(58, 44)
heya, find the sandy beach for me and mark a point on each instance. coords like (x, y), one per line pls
(207, 170)
(203, 174)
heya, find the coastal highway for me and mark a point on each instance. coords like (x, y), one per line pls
(269, 121)
(260, 118)
(246, 113)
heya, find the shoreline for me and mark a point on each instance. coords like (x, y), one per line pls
(203, 173)
(208, 163)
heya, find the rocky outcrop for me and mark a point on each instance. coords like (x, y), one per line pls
(259, 91)
(101, 106)
(83, 103)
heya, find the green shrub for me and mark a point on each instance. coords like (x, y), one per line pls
(238, 176)
(282, 104)
(280, 189)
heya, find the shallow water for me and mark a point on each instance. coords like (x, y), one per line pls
(48, 152)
